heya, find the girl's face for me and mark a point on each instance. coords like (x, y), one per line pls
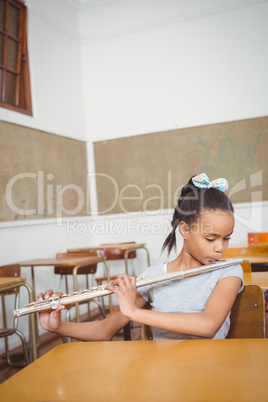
(208, 238)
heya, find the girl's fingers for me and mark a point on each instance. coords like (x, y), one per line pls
(48, 293)
(133, 280)
(122, 279)
(57, 294)
(113, 283)
(127, 279)
(59, 308)
(121, 283)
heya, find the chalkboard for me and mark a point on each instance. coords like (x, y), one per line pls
(42, 175)
(146, 172)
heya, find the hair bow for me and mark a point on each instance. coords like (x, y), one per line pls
(202, 181)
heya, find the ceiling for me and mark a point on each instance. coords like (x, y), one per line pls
(88, 3)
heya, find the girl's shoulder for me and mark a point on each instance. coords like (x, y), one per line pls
(234, 270)
(154, 270)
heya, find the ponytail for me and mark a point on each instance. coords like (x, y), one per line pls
(191, 203)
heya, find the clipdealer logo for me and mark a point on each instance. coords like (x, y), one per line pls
(52, 192)
(50, 198)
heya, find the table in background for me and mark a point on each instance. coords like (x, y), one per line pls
(76, 263)
(191, 370)
(257, 278)
(7, 284)
(126, 247)
(258, 263)
(251, 249)
(257, 255)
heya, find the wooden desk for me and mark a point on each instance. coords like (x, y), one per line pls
(126, 247)
(252, 249)
(232, 370)
(257, 255)
(6, 281)
(256, 251)
(76, 263)
(7, 284)
(257, 278)
(119, 246)
(257, 260)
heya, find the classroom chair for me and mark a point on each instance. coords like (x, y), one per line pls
(114, 255)
(117, 253)
(88, 270)
(246, 265)
(10, 277)
(247, 316)
(258, 238)
(256, 253)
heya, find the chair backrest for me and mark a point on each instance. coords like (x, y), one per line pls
(10, 271)
(258, 238)
(117, 253)
(247, 316)
(146, 333)
(246, 265)
(86, 270)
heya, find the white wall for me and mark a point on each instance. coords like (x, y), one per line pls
(156, 65)
(147, 65)
(55, 71)
(58, 108)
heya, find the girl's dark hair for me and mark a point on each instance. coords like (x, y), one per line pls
(191, 203)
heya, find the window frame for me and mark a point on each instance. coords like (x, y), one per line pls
(23, 100)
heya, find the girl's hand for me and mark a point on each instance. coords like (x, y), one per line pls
(50, 320)
(124, 287)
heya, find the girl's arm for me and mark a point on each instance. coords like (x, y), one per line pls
(204, 324)
(87, 331)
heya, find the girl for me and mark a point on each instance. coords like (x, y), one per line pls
(195, 307)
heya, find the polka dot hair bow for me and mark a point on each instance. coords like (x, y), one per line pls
(202, 181)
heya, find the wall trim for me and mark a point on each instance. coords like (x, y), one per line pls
(60, 27)
(170, 21)
(140, 214)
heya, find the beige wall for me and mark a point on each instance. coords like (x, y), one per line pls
(149, 169)
(41, 174)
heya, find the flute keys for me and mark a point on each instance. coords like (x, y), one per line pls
(35, 303)
(54, 304)
(30, 304)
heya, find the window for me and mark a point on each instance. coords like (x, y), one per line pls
(15, 93)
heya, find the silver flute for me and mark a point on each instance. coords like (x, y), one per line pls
(99, 291)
